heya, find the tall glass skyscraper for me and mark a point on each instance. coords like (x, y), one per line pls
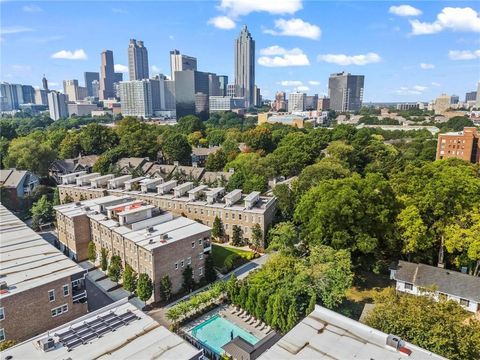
(107, 76)
(137, 60)
(245, 66)
(89, 78)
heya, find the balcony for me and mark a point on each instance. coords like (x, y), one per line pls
(79, 297)
(207, 247)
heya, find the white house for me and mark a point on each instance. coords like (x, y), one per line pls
(413, 278)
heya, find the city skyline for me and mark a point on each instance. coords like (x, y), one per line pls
(406, 52)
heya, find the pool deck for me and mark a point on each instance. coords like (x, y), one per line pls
(223, 311)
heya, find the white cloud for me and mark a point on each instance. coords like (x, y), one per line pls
(32, 8)
(302, 88)
(155, 69)
(21, 68)
(237, 8)
(14, 30)
(314, 82)
(119, 11)
(70, 55)
(464, 54)
(171, 37)
(414, 90)
(342, 59)
(276, 56)
(121, 68)
(456, 19)
(295, 27)
(436, 84)
(291, 83)
(222, 22)
(404, 10)
(426, 66)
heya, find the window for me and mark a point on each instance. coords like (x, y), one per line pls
(2, 334)
(200, 242)
(200, 256)
(66, 291)
(200, 271)
(408, 286)
(51, 295)
(182, 263)
(189, 261)
(176, 266)
(193, 244)
(2, 313)
(464, 302)
(59, 310)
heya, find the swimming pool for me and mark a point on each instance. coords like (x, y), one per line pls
(217, 331)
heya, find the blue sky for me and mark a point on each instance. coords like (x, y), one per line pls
(407, 50)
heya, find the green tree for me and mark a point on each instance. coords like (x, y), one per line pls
(284, 237)
(138, 137)
(251, 300)
(70, 147)
(257, 236)
(217, 229)
(326, 169)
(286, 200)
(103, 259)
(232, 287)
(97, 138)
(261, 304)
(311, 304)
(216, 161)
(210, 273)
(165, 288)
(91, 251)
(144, 287)
(188, 283)
(231, 261)
(441, 327)
(189, 124)
(115, 268)
(259, 138)
(28, 153)
(237, 236)
(56, 197)
(175, 147)
(42, 212)
(5, 344)
(129, 279)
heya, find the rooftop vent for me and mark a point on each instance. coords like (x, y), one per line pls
(78, 203)
(150, 241)
(164, 237)
(150, 229)
(3, 285)
(395, 341)
(46, 344)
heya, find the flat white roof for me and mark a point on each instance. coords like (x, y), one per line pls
(141, 338)
(176, 229)
(26, 259)
(325, 334)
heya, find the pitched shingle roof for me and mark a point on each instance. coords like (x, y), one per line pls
(11, 177)
(446, 281)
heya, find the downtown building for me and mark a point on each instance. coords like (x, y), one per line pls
(191, 93)
(151, 241)
(92, 88)
(345, 91)
(40, 287)
(137, 60)
(180, 62)
(57, 105)
(107, 76)
(196, 203)
(245, 67)
(463, 145)
(296, 101)
(225, 103)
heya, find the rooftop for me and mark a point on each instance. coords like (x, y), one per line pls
(446, 281)
(11, 177)
(26, 259)
(140, 338)
(325, 334)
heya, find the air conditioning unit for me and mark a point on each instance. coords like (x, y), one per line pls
(46, 344)
(3, 285)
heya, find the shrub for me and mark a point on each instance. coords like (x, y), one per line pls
(230, 261)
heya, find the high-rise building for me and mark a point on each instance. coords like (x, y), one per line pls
(231, 90)
(28, 94)
(225, 103)
(137, 60)
(223, 80)
(470, 96)
(214, 85)
(136, 98)
(280, 102)
(442, 103)
(57, 104)
(463, 145)
(89, 78)
(454, 99)
(95, 88)
(311, 102)
(11, 96)
(188, 87)
(169, 95)
(245, 66)
(70, 88)
(45, 83)
(41, 97)
(179, 62)
(296, 101)
(345, 91)
(107, 76)
(323, 104)
(257, 96)
(478, 96)
(118, 76)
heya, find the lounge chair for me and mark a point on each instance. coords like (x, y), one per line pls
(241, 313)
(255, 324)
(248, 318)
(245, 315)
(233, 310)
(267, 329)
(252, 321)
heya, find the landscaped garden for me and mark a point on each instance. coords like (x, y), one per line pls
(227, 258)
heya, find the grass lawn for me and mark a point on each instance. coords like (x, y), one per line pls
(365, 285)
(220, 253)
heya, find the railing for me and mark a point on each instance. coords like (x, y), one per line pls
(79, 296)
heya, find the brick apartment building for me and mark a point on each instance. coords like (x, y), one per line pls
(149, 240)
(194, 202)
(463, 145)
(40, 288)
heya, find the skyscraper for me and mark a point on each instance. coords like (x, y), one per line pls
(57, 104)
(223, 79)
(89, 78)
(45, 83)
(11, 96)
(296, 101)
(70, 88)
(136, 98)
(345, 91)
(179, 62)
(245, 66)
(137, 60)
(107, 75)
(190, 86)
(28, 93)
